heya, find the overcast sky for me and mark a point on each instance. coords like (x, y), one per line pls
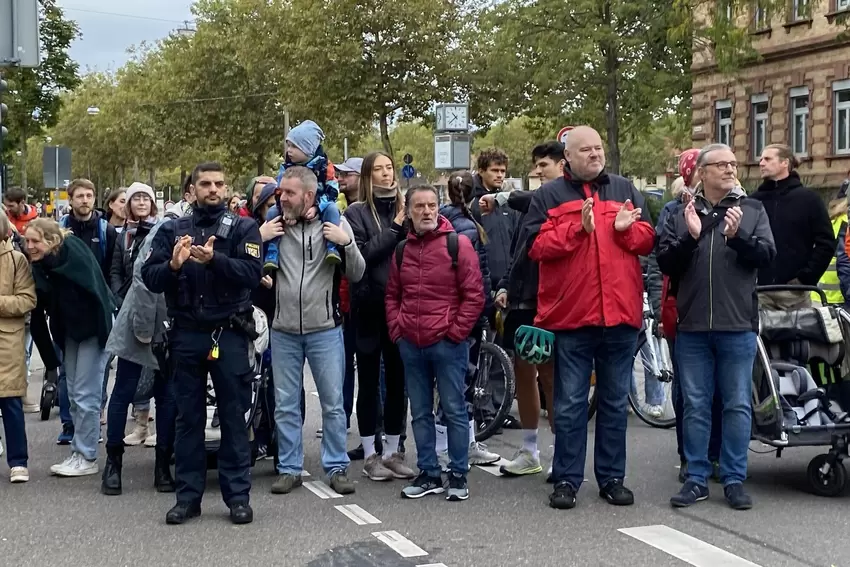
(109, 27)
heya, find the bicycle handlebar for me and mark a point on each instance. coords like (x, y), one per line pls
(794, 287)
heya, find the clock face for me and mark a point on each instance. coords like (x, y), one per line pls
(456, 117)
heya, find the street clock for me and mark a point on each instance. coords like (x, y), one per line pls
(452, 117)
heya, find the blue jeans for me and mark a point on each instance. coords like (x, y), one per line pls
(444, 363)
(325, 353)
(85, 363)
(610, 351)
(16, 433)
(124, 391)
(706, 361)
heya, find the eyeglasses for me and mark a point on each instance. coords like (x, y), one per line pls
(722, 165)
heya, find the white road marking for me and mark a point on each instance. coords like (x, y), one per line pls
(357, 514)
(687, 548)
(321, 490)
(305, 474)
(494, 468)
(400, 544)
(433, 565)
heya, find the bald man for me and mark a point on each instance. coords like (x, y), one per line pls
(586, 231)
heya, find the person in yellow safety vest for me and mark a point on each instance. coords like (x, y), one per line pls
(839, 268)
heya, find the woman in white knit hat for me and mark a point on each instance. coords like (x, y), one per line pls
(141, 215)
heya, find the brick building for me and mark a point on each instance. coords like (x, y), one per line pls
(797, 94)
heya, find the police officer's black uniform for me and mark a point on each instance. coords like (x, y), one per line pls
(202, 300)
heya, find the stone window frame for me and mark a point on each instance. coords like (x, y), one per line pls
(758, 99)
(724, 104)
(839, 86)
(793, 94)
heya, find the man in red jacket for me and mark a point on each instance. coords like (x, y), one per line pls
(435, 295)
(586, 231)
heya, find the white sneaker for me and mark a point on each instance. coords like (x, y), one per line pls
(655, 411)
(151, 441)
(77, 466)
(444, 461)
(63, 464)
(479, 455)
(19, 474)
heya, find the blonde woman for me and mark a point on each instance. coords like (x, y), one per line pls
(72, 292)
(17, 298)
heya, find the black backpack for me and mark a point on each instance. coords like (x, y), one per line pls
(451, 244)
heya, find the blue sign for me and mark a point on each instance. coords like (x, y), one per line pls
(408, 171)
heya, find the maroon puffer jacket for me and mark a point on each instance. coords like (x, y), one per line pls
(429, 300)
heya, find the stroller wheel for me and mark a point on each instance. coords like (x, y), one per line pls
(48, 399)
(829, 483)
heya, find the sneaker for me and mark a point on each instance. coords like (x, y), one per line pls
(76, 465)
(512, 423)
(341, 483)
(736, 497)
(356, 454)
(423, 485)
(444, 461)
(524, 462)
(375, 470)
(67, 434)
(30, 405)
(690, 494)
(333, 258)
(262, 452)
(396, 465)
(655, 412)
(458, 489)
(19, 474)
(270, 262)
(563, 497)
(285, 483)
(319, 433)
(617, 494)
(63, 464)
(683, 472)
(150, 442)
(479, 455)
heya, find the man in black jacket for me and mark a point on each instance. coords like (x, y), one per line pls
(89, 225)
(713, 247)
(805, 242)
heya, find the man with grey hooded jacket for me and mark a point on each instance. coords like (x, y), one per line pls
(307, 325)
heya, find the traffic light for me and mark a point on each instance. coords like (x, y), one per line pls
(4, 110)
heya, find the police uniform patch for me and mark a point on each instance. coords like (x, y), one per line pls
(252, 249)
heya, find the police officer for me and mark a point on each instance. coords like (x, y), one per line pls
(207, 263)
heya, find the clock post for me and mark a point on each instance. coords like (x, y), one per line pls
(452, 141)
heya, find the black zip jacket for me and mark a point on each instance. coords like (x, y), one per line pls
(715, 275)
(805, 242)
(521, 279)
(201, 296)
(127, 246)
(500, 226)
(88, 232)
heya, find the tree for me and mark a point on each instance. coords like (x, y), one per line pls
(516, 138)
(360, 62)
(605, 63)
(36, 93)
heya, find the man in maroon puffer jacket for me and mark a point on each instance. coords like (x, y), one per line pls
(435, 295)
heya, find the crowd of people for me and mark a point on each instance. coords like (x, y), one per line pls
(346, 266)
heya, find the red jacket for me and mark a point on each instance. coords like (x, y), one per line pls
(429, 300)
(21, 222)
(587, 280)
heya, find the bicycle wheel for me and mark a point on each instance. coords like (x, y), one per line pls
(660, 364)
(492, 360)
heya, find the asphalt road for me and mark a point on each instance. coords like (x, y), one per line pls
(506, 522)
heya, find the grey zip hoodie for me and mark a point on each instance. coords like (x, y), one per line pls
(307, 286)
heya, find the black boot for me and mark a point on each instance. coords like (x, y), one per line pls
(162, 479)
(182, 511)
(111, 481)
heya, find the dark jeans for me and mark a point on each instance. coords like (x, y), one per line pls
(124, 392)
(16, 433)
(679, 409)
(444, 364)
(349, 337)
(369, 375)
(62, 386)
(231, 376)
(610, 350)
(709, 360)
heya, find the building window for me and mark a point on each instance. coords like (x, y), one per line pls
(723, 122)
(800, 10)
(761, 20)
(799, 120)
(841, 118)
(759, 114)
(842, 5)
